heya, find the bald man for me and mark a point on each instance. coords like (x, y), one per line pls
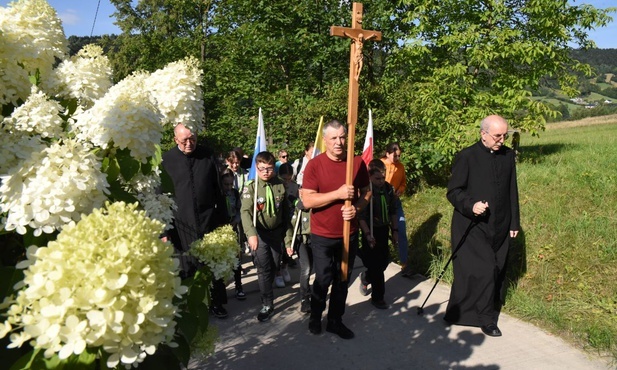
(484, 193)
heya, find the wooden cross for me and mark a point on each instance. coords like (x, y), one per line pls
(358, 36)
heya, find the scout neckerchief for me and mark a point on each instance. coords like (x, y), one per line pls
(384, 206)
(269, 200)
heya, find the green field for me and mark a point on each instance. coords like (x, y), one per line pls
(563, 266)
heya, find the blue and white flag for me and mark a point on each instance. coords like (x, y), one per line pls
(260, 145)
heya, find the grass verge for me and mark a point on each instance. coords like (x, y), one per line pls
(563, 266)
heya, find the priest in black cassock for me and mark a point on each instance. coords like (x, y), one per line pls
(484, 193)
(200, 200)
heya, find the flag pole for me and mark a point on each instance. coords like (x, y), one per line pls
(255, 202)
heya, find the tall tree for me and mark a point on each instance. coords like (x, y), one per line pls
(463, 60)
(440, 67)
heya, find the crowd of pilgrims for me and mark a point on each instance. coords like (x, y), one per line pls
(233, 169)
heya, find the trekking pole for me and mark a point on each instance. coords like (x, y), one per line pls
(293, 239)
(460, 243)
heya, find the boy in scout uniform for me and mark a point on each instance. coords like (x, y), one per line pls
(375, 252)
(266, 220)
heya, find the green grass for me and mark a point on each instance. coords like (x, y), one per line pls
(603, 85)
(557, 102)
(564, 263)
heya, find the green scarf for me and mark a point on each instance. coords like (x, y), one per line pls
(269, 200)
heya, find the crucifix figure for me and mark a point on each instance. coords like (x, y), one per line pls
(358, 36)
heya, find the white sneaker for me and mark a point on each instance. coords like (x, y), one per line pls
(286, 275)
(279, 282)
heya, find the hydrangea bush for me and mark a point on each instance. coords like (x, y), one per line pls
(52, 188)
(99, 287)
(218, 250)
(119, 297)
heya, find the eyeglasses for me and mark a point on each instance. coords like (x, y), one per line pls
(265, 169)
(498, 137)
(191, 139)
(283, 156)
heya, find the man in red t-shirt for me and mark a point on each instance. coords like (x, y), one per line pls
(324, 191)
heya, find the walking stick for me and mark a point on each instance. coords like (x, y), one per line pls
(460, 243)
(293, 239)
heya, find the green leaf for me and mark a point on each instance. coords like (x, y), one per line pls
(163, 359)
(9, 276)
(26, 362)
(111, 168)
(157, 158)
(189, 325)
(146, 168)
(183, 351)
(129, 166)
(118, 193)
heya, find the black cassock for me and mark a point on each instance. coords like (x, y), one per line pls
(199, 198)
(478, 174)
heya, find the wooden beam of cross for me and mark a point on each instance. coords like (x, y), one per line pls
(358, 36)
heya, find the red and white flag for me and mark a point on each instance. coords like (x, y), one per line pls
(367, 151)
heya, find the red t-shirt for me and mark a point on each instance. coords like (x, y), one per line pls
(325, 175)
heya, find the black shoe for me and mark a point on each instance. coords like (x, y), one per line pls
(305, 305)
(219, 311)
(240, 295)
(315, 326)
(382, 305)
(491, 330)
(340, 330)
(363, 284)
(265, 313)
(407, 274)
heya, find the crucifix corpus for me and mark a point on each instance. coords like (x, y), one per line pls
(358, 36)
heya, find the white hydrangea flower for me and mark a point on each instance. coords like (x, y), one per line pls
(125, 118)
(107, 282)
(86, 76)
(32, 39)
(52, 188)
(178, 94)
(15, 147)
(160, 207)
(38, 115)
(218, 250)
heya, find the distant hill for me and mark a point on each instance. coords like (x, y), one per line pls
(603, 61)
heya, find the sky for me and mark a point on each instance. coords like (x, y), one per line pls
(78, 17)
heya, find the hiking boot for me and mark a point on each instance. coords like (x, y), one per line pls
(305, 305)
(265, 313)
(279, 282)
(339, 329)
(240, 295)
(219, 311)
(363, 284)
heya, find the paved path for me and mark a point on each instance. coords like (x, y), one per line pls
(397, 338)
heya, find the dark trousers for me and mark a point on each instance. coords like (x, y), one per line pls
(327, 255)
(376, 261)
(267, 260)
(305, 256)
(218, 292)
(238, 274)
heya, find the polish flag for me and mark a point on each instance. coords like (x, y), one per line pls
(367, 151)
